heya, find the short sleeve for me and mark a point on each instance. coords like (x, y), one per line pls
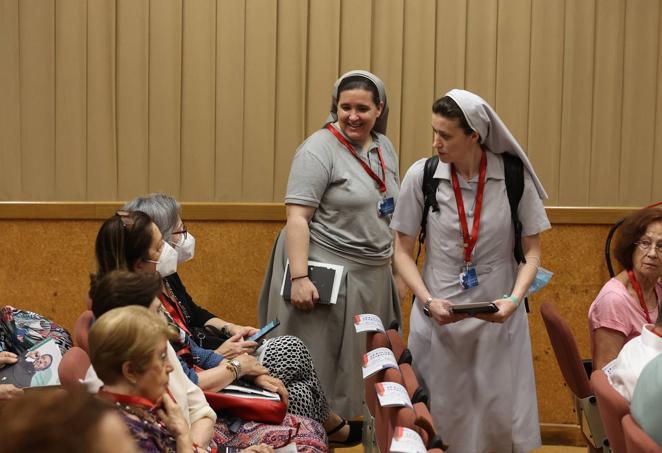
(309, 177)
(531, 211)
(607, 311)
(409, 208)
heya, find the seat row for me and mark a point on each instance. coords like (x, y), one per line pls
(388, 419)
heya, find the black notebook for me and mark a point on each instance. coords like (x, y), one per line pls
(323, 277)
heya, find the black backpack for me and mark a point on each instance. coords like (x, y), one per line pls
(513, 170)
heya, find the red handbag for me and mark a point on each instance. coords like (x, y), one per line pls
(263, 410)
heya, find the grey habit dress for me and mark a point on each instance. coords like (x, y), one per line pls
(346, 230)
(479, 375)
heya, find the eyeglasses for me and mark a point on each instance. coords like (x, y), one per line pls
(645, 246)
(183, 231)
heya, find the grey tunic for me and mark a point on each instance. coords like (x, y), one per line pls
(479, 374)
(345, 230)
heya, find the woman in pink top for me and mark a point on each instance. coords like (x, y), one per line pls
(633, 297)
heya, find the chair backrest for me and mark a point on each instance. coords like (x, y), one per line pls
(397, 345)
(425, 422)
(73, 366)
(82, 329)
(613, 407)
(385, 416)
(374, 340)
(416, 392)
(565, 349)
(636, 439)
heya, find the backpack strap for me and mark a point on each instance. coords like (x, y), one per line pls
(429, 186)
(513, 170)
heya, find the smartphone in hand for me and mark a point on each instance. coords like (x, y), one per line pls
(264, 330)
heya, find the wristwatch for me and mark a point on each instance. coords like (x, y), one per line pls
(426, 307)
(234, 365)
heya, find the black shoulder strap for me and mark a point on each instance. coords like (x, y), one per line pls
(430, 184)
(513, 170)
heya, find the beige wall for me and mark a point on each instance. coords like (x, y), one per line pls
(208, 99)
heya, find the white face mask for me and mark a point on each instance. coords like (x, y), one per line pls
(167, 264)
(186, 249)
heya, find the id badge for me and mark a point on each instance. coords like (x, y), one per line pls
(385, 206)
(468, 277)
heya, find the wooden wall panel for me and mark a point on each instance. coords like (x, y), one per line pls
(70, 99)
(387, 38)
(577, 102)
(545, 93)
(417, 81)
(165, 90)
(198, 137)
(132, 98)
(259, 100)
(481, 29)
(323, 60)
(512, 66)
(37, 72)
(355, 34)
(101, 110)
(451, 45)
(656, 188)
(230, 88)
(208, 99)
(639, 82)
(290, 88)
(10, 107)
(607, 102)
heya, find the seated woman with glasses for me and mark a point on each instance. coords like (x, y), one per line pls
(130, 241)
(286, 356)
(128, 349)
(632, 298)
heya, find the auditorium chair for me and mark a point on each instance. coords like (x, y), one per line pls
(574, 374)
(613, 407)
(636, 439)
(73, 366)
(82, 328)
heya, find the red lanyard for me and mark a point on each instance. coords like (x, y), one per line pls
(381, 183)
(129, 400)
(470, 241)
(640, 295)
(175, 311)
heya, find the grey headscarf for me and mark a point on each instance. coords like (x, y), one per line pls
(380, 125)
(494, 134)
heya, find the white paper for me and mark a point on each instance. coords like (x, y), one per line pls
(376, 360)
(406, 440)
(337, 278)
(368, 323)
(249, 392)
(392, 394)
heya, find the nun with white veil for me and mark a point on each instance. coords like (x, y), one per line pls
(478, 369)
(342, 188)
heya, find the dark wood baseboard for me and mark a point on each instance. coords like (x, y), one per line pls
(560, 434)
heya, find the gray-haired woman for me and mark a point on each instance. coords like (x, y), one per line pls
(286, 356)
(342, 188)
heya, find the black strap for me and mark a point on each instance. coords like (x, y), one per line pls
(429, 186)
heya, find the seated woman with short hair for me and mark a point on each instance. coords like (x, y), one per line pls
(632, 298)
(124, 289)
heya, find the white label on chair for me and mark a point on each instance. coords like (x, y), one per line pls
(368, 323)
(406, 440)
(376, 360)
(392, 394)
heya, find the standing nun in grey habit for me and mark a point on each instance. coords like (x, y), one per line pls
(478, 370)
(341, 191)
